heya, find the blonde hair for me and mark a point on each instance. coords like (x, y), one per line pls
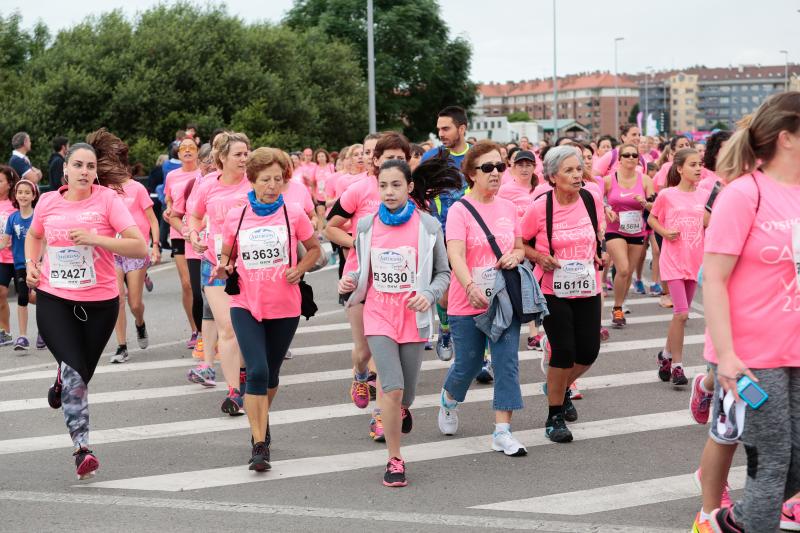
(757, 141)
(263, 157)
(223, 143)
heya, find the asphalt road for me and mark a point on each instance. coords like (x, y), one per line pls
(171, 461)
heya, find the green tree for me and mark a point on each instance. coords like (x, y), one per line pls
(719, 125)
(518, 116)
(419, 69)
(633, 114)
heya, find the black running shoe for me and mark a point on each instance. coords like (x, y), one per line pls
(722, 521)
(570, 413)
(395, 475)
(141, 336)
(54, 394)
(408, 422)
(556, 429)
(664, 367)
(86, 464)
(372, 381)
(259, 460)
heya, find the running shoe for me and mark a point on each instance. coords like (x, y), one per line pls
(725, 500)
(203, 374)
(372, 381)
(448, 418)
(141, 336)
(148, 283)
(664, 367)
(678, 376)
(638, 286)
(504, 441)
(722, 521)
(359, 393)
(574, 392)
(233, 404)
(395, 475)
(656, 290)
(192, 342)
(428, 345)
(700, 402)
(609, 286)
(486, 375)
(556, 429)
(408, 422)
(243, 381)
(5, 338)
(259, 457)
(120, 356)
(701, 526)
(547, 353)
(54, 394)
(376, 428)
(626, 309)
(198, 351)
(444, 346)
(604, 335)
(665, 301)
(790, 516)
(22, 344)
(568, 409)
(86, 464)
(618, 318)
(40, 344)
(534, 343)
(288, 355)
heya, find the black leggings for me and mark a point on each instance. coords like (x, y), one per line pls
(264, 346)
(197, 294)
(573, 330)
(21, 287)
(76, 332)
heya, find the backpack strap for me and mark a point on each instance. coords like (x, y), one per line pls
(548, 221)
(484, 227)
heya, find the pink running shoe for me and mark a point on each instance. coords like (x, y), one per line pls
(790, 516)
(192, 342)
(604, 335)
(700, 402)
(534, 343)
(395, 475)
(359, 392)
(725, 501)
(574, 392)
(86, 464)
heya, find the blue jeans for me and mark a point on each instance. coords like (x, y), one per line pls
(206, 269)
(470, 344)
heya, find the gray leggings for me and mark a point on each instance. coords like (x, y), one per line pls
(771, 439)
(398, 365)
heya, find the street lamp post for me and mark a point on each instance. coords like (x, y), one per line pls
(616, 86)
(373, 127)
(646, 96)
(555, 79)
(785, 69)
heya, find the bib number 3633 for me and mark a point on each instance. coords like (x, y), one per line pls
(264, 247)
(394, 270)
(71, 267)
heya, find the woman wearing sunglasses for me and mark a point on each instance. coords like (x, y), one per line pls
(475, 267)
(627, 192)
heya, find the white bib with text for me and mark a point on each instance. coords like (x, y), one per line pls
(631, 222)
(394, 270)
(574, 279)
(263, 247)
(71, 267)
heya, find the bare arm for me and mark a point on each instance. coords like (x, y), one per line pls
(334, 232)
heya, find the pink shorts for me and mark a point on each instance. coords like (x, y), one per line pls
(682, 292)
(127, 264)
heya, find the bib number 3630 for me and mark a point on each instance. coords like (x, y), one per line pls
(71, 267)
(394, 270)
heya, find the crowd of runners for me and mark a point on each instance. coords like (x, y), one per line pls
(454, 248)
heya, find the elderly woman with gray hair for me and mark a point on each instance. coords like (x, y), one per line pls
(563, 233)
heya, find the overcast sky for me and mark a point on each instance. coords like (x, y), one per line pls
(513, 39)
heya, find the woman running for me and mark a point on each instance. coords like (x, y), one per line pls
(7, 181)
(321, 176)
(260, 239)
(76, 286)
(215, 198)
(402, 272)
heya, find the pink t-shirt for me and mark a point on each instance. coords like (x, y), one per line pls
(660, 179)
(344, 182)
(682, 211)
(500, 215)
(215, 199)
(361, 200)
(602, 166)
(541, 189)
(80, 273)
(174, 181)
(707, 180)
(507, 177)
(295, 194)
(321, 176)
(395, 251)
(137, 200)
(6, 208)
(180, 205)
(574, 238)
(520, 195)
(263, 258)
(763, 289)
(330, 185)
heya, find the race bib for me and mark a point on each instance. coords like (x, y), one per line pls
(71, 267)
(796, 251)
(394, 270)
(575, 279)
(631, 222)
(218, 247)
(320, 187)
(484, 278)
(263, 247)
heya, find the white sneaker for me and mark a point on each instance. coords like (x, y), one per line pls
(120, 357)
(448, 419)
(506, 443)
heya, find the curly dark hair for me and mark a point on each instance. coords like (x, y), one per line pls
(713, 145)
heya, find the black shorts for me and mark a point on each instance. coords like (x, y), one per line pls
(573, 330)
(21, 286)
(178, 247)
(659, 240)
(6, 274)
(630, 240)
(319, 203)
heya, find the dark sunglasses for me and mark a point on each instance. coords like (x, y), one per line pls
(629, 155)
(488, 167)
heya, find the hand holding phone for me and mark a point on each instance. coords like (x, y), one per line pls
(749, 391)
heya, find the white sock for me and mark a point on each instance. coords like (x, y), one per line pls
(704, 516)
(666, 354)
(499, 428)
(677, 365)
(703, 387)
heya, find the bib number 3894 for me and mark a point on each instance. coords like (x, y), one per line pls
(394, 270)
(71, 267)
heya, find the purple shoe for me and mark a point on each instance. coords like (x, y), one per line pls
(22, 344)
(192, 342)
(40, 345)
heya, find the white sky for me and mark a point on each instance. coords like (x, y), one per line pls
(513, 39)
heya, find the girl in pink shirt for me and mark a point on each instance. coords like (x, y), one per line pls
(751, 291)
(7, 181)
(261, 238)
(321, 176)
(216, 197)
(677, 215)
(402, 273)
(77, 294)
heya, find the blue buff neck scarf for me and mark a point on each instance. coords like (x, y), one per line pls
(397, 218)
(263, 210)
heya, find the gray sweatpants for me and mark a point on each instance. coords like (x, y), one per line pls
(398, 365)
(771, 439)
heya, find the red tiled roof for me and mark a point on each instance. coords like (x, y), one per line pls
(568, 83)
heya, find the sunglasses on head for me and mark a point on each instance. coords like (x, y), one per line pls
(488, 167)
(629, 155)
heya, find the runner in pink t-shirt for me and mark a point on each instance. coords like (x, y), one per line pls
(7, 180)
(77, 296)
(519, 189)
(262, 238)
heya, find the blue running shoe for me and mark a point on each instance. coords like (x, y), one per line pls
(444, 346)
(638, 286)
